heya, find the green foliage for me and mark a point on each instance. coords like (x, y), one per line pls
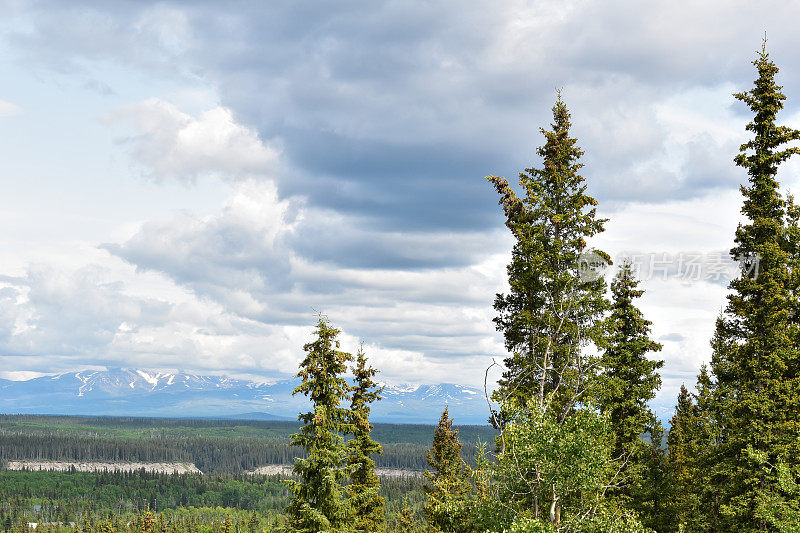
(779, 506)
(80, 492)
(757, 355)
(404, 522)
(75, 496)
(553, 466)
(551, 476)
(319, 503)
(364, 489)
(606, 520)
(649, 489)
(447, 478)
(629, 380)
(691, 443)
(551, 312)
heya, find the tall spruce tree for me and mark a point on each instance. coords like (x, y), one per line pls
(551, 311)
(629, 379)
(364, 489)
(757, 359)
(318, 502)
(447, 479)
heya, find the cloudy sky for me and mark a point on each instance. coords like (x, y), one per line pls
(183, 185)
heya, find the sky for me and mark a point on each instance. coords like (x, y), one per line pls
(185, 185)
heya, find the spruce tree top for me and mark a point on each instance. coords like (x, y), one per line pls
(555, 195)
(765, 100)
(364, 391)
(321, 373)
(760, 156)
(444, 457)
(550, 311)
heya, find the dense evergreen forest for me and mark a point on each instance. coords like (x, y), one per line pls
(213, 446)
(575, 447)
(218, 456)
(116, 497)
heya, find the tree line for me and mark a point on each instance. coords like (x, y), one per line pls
(159, 428)
(213, 456)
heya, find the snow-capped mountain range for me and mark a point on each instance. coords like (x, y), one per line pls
(132, 392)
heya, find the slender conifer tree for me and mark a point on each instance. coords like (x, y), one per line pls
(552, 309)
(447, 478)
(757, 358)
(318, 500)
(630, 379)
(628, 382)
(364, 489)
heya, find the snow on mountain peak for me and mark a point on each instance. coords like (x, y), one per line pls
(137, 392)
(148, 378)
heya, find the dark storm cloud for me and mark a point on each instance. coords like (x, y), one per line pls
(399, 186)
(352, 246)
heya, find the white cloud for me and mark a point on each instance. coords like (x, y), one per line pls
(241, 260)
(354, 144)
(170, 144)
(8, 109)
(21, 375)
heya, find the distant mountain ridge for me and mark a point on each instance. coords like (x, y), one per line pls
(137, 392)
